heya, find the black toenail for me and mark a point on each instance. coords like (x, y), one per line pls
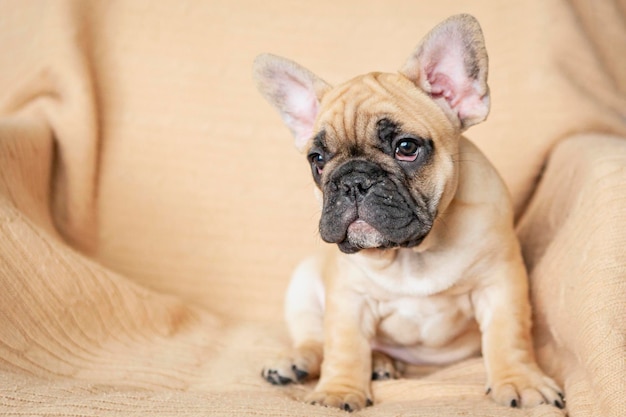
(374, 376)
(300, 374)
(488, 391)
(283, 380)
(513, 403)
(369, 403)
(558, 404)
(347, 407)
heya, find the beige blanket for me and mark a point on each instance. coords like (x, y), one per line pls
(152, 205)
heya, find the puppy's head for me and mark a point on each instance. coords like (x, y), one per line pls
(382, 147)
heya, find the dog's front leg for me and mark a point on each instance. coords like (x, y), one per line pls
(503, 311)
(347, 368)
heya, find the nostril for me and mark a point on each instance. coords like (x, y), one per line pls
(363, 185)
(355, 186)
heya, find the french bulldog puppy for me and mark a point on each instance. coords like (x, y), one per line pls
(429, 268)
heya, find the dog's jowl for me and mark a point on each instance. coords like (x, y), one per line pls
(425, 266)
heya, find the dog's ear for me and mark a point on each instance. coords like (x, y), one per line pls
(450, 64)
(293, 90)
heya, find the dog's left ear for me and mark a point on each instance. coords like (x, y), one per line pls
(294, 91)
(451, 65)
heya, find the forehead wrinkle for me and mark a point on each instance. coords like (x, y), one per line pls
(319, 140)
(350, 113)
(406, 99)
(352, 108)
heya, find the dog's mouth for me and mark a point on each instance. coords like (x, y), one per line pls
(367, 207)
(361, 235)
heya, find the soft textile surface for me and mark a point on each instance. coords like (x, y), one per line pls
(152, 205)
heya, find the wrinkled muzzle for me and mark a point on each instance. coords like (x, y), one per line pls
(367, 207)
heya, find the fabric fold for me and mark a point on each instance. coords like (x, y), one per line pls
(51, 79)
(573, 242)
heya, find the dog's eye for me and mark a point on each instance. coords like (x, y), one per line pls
(317, 161)
(407, 150)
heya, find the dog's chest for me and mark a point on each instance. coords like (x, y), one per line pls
(432, 321)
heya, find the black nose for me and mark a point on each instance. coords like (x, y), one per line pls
(354, 187)
(354, 179)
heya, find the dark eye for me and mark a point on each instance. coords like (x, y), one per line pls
(317, 162)
(407, 150)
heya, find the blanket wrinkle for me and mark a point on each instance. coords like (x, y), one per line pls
(576, 316)
(58, 84)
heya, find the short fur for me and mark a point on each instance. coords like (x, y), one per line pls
(429, 268)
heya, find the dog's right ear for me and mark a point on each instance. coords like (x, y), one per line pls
(451, 65)
(293, 90)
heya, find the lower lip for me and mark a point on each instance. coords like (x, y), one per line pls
(361, 226)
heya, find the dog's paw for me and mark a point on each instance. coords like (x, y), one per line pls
(284, 371)
(344, 400)
(303, 363)
(383, 367)
(525, 388)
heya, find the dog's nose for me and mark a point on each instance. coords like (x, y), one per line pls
(354, 179)
(355, 186)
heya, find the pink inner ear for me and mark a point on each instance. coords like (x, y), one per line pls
(455, 94)
(445, 72)
(301, 106)
(451, 65)
(441, 86)
(304, 111)
(448, 80)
